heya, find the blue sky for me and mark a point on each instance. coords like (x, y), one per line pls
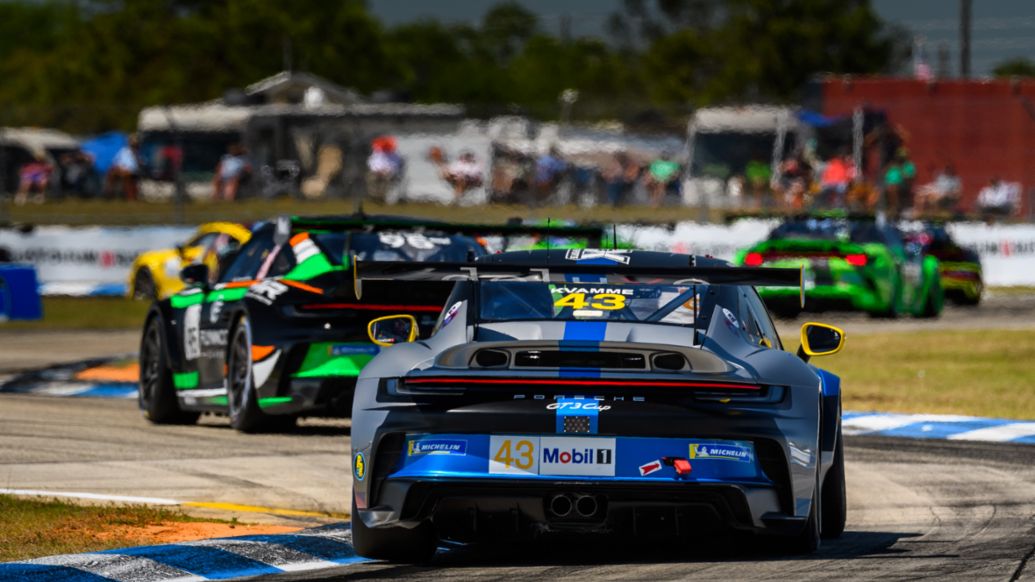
(1002, 29)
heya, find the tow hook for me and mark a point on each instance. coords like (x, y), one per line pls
(681, 465)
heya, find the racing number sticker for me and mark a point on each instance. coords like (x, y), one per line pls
(192, 332)
(509, 455)
(605, 301)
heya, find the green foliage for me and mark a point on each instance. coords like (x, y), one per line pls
(1019, 67)
(90, 66)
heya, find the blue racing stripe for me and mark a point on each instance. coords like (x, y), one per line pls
(112, 390)
(328, 549)
(585, 331)
(203, 561)
(45, 573)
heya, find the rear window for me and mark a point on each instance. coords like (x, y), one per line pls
(828, 229)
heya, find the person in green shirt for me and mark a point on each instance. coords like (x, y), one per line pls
(758, 174)
(662, 177)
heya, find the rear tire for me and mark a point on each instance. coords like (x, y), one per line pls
(245, 415)
(834, 499)
(394, 544)
(156, 394)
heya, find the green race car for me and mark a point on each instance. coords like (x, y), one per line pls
(853, 263)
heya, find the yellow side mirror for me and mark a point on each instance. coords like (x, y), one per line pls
(820, 339)
(392, 329)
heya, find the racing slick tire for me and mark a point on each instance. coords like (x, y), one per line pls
(394, 544)
(245, 414)
(144, 285)
(834, 500)
(157, 395)
(892, 309)
(932, 306)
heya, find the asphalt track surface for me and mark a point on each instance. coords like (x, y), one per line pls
(917, 509)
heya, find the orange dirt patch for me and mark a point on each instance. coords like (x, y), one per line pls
(173, 531)
(129, 373)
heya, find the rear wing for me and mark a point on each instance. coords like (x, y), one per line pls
(575, 273)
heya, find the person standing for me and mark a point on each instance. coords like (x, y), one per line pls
(233, 168)
(464, 174)
(33, 178)
(125, 170)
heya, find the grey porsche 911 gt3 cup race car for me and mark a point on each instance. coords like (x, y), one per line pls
(590, 391)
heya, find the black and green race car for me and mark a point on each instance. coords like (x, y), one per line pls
(856, 263)
(279, 332)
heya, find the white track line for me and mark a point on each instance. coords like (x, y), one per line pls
(93, 496)
(1006, 432)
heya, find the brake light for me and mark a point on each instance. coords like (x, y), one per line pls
(858, 260)
(753, 259)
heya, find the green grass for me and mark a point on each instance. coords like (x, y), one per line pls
(973, 372)
(95, 313)
(43, 527)
(118, 212)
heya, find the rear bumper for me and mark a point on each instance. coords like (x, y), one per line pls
(468, 510)
(828, 298)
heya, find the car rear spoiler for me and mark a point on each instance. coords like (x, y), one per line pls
(610, 274)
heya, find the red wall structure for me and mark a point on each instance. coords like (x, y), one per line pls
(985, 128)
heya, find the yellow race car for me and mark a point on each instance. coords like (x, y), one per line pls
(156, 274)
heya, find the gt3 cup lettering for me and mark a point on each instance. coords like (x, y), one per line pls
(587, 405)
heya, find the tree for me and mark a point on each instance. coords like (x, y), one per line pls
(1019, 67)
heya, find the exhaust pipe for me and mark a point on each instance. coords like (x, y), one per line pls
(586, 506)
(560, 505)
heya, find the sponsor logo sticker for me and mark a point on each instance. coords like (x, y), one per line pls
(359, 466)
(651, 467)
(730, 318)
(577, 456)
(451, 313)
(720, 451)
(352, 350)
(617, 255)
(431, 446)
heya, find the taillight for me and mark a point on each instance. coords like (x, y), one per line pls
(753, 259)
(858, 260)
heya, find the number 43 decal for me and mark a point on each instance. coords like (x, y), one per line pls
(605, 301)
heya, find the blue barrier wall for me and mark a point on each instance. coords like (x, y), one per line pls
(19, 293)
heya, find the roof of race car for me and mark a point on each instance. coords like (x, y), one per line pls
(388, 222)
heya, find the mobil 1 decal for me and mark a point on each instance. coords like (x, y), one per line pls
(553, 456)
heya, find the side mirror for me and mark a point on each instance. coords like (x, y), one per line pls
(820, 339)
(195, 274)
(392, 329)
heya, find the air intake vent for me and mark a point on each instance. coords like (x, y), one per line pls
(491, 358)
(573, 359)
(669, 361)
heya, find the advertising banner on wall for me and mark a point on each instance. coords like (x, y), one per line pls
(96, 260)
(86, 260)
